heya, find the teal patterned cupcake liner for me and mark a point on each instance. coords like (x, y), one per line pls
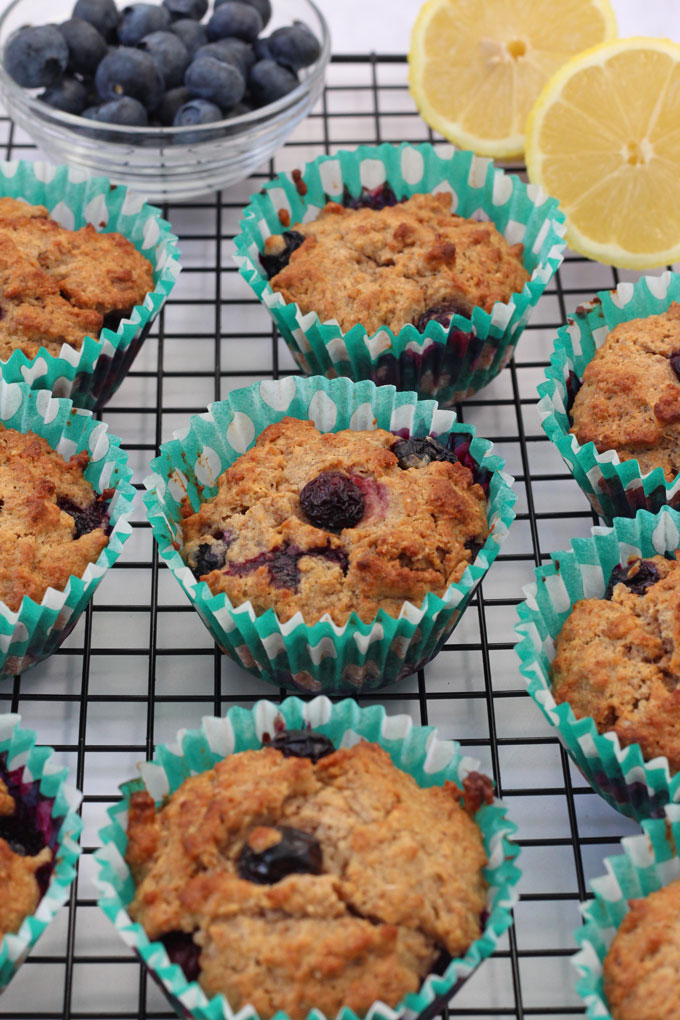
(447, 364)
(638, 788)
(34, 779)
(35, 630)
(415, 749)
(90, 376)
(648, 862)
(615, 488)
(357, 656)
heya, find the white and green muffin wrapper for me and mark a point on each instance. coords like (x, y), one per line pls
(414, 749)
(433, 363)
(323, 656)
(19, 747)
(638, 788)
(649, 862)
(615, 488)
(35, 630)
(91, 375)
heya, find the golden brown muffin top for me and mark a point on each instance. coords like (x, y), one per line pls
(389, 267)
(618, 659)
(397, 878)
(41, 545)
(418, 527)
(629, 400)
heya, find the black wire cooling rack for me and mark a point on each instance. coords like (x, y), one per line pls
(140, 664)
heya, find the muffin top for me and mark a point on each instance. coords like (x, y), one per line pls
(641, 968)
(618, 658)
(20, 891)
(332, 523)
(406, 263)
(309, 883)
(59, 285)
(629, 400)
(52, 523)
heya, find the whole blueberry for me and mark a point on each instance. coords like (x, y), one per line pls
(261, 50)
(197, 111)
(637, 575)
(88, 518)
(419, 451)
(444, 312)
(103, 14)
(181, 949)
(219, 83)
(276, 261)
(239, 110)
(191, 33)
(235, 18)
(289, 851)
(194, 9)
(230, 51)
(264, 8)
(303, 744)
(125, 111)
(68, 95)
(295, 46)
(332, 500)
(269, 81)
(129, 72)
(169, 54)
(139, 20)
(86, 46)
(36, 56)
(170, 104)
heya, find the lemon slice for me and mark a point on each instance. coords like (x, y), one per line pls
(604, 139)
(476, 66)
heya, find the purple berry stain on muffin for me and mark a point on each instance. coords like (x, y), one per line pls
(675, 363)
(573, 385)
(87, 518)
(211, 556)
(443, 313)
(302, 744)
(282, 563)
(637, 576)
(419, 451)
(273, 263)
(332, 501)
(30, 827)
(271, 853)
(182, 950)
(371, 198)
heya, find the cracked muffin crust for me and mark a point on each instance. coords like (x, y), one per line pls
(640, 969)
(20, 890)
(405, 263)
(618, 658)
(332, 523)
(629, 399)
(52, 522)
(395, 877)
(59, 285)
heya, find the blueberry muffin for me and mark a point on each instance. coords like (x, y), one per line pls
(297, 876)
(25, 860)
(52, 523)
(640, 970)
(58, 285)
(618, 658)
(409, 262)
(629, 399)
(336, 523)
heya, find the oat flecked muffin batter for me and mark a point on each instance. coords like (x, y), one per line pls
(406, 263)
(19, 888)
(59, 285)
(52, 522)
(629, 400)
(641, 968)
(306, 884)
(332, 523)
(618, 658)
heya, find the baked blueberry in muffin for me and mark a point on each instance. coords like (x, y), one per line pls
(337, 523)
(292, 882)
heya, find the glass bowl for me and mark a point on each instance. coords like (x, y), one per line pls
(170, 163)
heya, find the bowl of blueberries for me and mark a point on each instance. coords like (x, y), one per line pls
(173, 98)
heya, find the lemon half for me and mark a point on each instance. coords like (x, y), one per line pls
(476, 66)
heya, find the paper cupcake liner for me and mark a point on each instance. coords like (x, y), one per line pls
(90, 376)
(321, 656)
(638, 788)
(40, 784)
(648, 862)
(35, 630)
(446, 364)
(415, 749)
(615, 488)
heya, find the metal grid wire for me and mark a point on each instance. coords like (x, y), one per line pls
(140, 663)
